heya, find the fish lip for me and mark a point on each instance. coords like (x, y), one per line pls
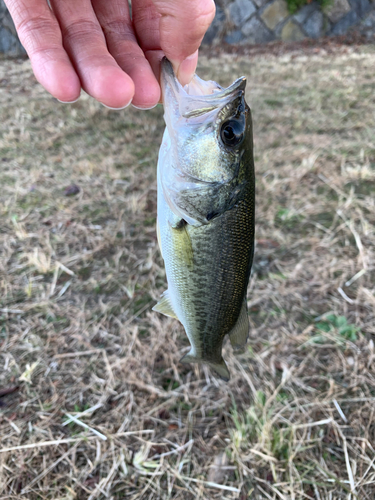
(210, 101)
(168, 77)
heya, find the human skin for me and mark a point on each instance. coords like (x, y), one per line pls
(97, 46)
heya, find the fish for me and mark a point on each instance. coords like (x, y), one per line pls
(205, 213)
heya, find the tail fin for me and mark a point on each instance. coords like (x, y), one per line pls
(220, 368)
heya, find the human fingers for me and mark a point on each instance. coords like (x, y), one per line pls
(40, 34)
(182, 27)
(122, 43)
(145, 19)
(84, 41)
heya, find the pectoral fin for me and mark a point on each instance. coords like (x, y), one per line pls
(164, 306)
(240, 332)
(220, 368)
(182, 244)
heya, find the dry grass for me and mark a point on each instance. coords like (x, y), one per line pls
(94, 403)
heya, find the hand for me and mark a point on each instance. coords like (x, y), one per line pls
(94, 44)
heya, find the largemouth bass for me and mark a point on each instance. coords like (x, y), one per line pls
(206, 196)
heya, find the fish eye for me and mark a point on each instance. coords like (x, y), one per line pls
(232, 132)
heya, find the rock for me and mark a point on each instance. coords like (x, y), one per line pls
(256, 32)
(9, 43)
(234, 37)
(369, 21)
(275, 13)
(305, 12)
(260, 3)
(337, 10)
(344, 24)
(216, 28)
(291, 32)
(6, 42)
(314, 24)
(362, 6)
(369, 31)
(241, 10)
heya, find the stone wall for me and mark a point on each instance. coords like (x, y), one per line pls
(254, 21)
(9, 43)
(262, 21)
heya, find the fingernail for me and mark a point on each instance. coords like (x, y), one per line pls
(116, 109)
(69, 102)
(144, 109)
(186, 69)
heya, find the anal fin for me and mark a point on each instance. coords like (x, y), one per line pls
(240, 332)
(220, 369)
(164, 306)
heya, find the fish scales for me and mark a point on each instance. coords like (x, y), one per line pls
(206, 219)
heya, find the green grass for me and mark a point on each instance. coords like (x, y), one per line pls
(295, 5)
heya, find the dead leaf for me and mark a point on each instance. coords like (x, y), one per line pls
(217, 469)
(8, 390)
(72, 190)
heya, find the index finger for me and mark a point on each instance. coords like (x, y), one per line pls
(40, 34)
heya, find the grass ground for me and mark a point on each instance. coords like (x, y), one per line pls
(94, 403)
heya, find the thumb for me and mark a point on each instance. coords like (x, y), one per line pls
(183, 25)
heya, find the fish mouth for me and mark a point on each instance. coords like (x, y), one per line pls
(197, 97)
